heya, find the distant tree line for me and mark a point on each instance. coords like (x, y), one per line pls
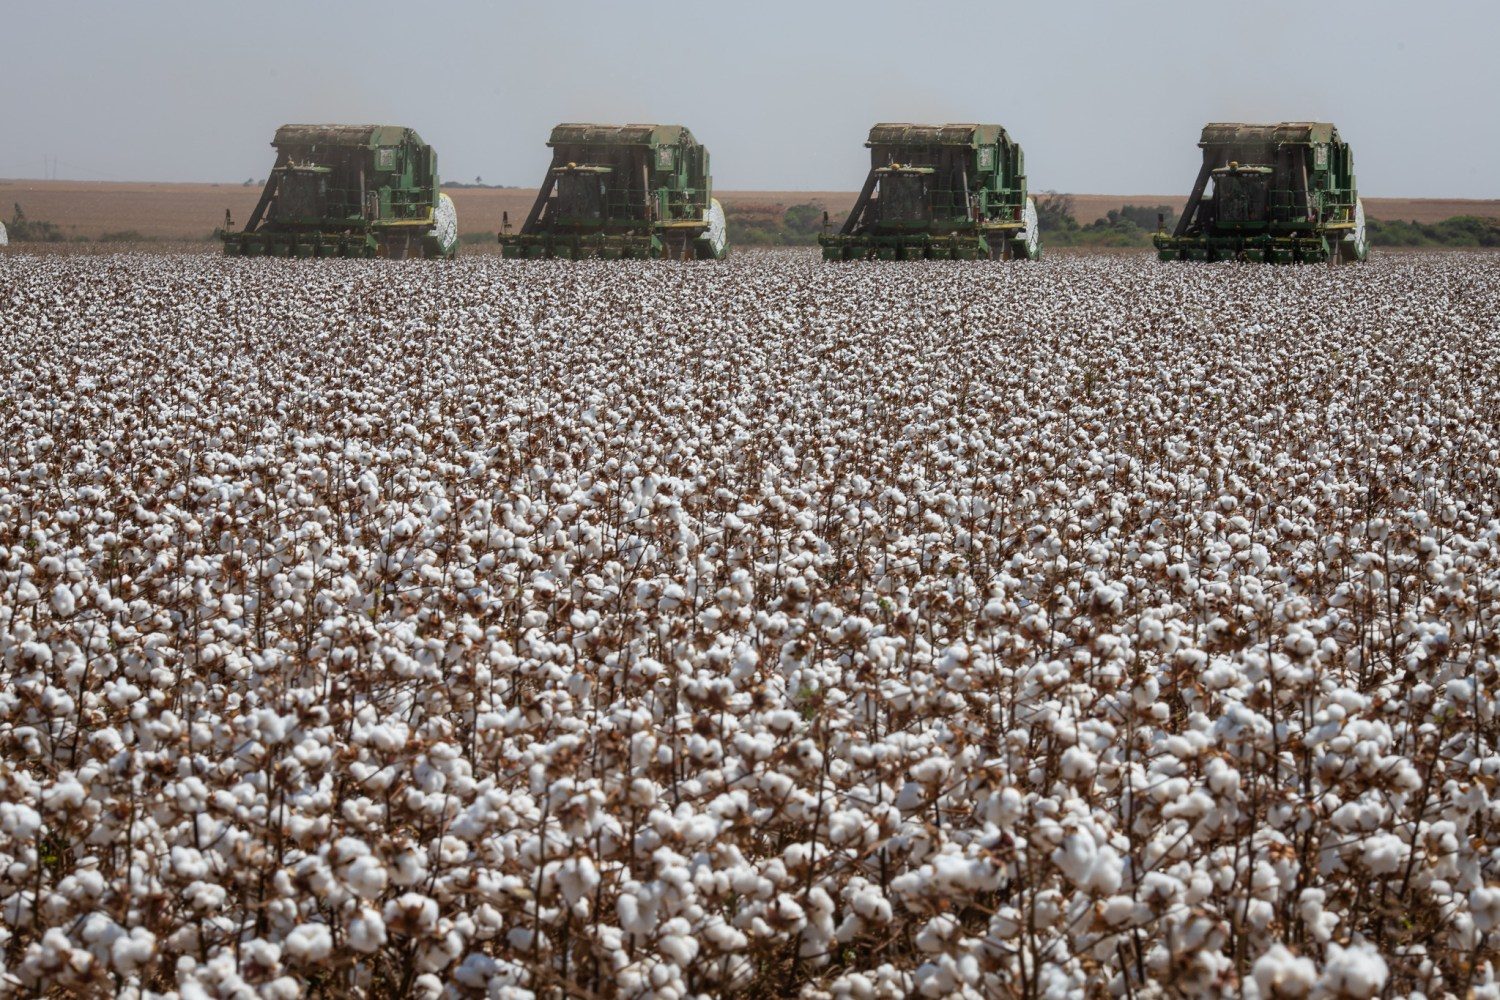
(1458, 231)
(771, 225)
(1127, 226)
(24, 230)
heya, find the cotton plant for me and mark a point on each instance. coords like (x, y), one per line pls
(624, 629)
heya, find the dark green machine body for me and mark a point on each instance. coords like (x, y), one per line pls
(944, 191)
(1276, 193)
(622, 191)
(349, 191)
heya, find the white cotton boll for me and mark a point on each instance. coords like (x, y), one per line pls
(932, 770)
(1117, 909)
(188, 863)
(19, 821)
(870, 904)
(437, 955)
(1107, 872)
(309, 943)
(1279, 973)
(1076, 858)
(634, 918)
(818, 935)
(1383, 853)
(476, 970)
(281, 988)
(643, 792)
(411, 913)
(913, 796)
(409, 869)
(427, 987)
(852, 986)
(678, 943)
(1356, 972)
(700, 829)
(724, 937)
(1078, 763)
(935, 934)
(1007, 923)
(206, 897)
(1006, 808)
(367, 930)
(62, 600)
(1484, 907)
(366, 877)
(66, 794)
(577, 878)
(131, 951)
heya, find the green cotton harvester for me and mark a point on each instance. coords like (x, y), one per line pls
(349, 191)
(1275, 193)
(622, 191)
(940, 191)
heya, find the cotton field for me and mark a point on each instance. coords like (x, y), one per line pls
(1093, 627)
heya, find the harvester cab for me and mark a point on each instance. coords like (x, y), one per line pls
(1276, 193)
(349, 191)
(904, 198)
(940, 191)
(622, 191)
(303, 195)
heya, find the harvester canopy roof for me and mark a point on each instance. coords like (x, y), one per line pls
(344, 135)
(1239, 134)
(906, 134)
(573, 133)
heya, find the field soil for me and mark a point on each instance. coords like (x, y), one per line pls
(92, 209)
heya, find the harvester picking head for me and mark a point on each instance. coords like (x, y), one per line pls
(349, 191)
(940, 191)
(623, 191)
(1275, 193)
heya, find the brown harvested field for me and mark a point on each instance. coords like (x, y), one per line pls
(192, 211)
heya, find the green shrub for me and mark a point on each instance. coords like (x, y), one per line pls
(24, 230)
(1458, 231)
(769, 224)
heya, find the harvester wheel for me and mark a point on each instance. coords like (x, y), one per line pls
(445, 227)
(714, 243)
(1355, 246)
(1031, 237)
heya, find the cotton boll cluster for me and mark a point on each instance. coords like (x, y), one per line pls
(664, 630)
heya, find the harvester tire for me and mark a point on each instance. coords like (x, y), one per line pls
(714, 243)
(1355, 247)
(1031, 237)
(445, 227)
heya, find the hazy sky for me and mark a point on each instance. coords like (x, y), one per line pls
(1105, 97)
